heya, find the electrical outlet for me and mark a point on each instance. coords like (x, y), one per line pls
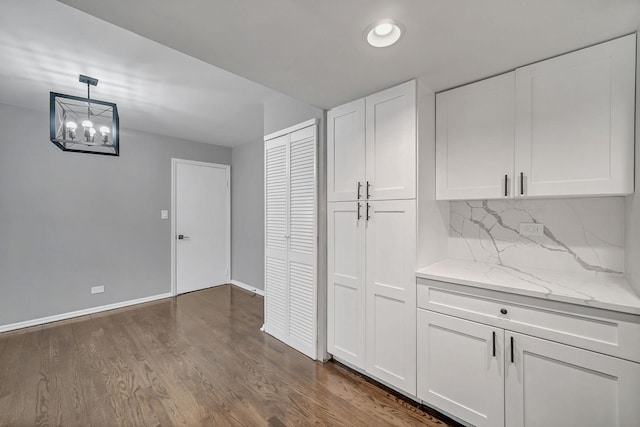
(531, 229)
(97, 289)
(164, 214)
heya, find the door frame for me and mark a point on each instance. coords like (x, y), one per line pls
(174, 164)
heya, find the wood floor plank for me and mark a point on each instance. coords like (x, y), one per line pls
(197, 359)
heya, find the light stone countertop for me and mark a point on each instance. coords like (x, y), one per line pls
(600, 291)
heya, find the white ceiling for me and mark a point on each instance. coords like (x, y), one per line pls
(45, 45)
(314, 50)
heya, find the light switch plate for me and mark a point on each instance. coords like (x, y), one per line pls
(531, 229)
(164, 214)
(97, 289)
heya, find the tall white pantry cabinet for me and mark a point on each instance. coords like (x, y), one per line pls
(371, 193)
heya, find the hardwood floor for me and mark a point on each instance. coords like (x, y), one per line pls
(198, 359)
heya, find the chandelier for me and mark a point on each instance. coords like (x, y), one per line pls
(84, 125)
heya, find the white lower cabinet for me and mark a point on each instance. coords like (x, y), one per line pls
(372, 289)
(461, 368)
(490, 376)
(391, 292)
(346, 282)
(547, 384)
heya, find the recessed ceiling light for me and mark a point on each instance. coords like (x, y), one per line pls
(383, 33)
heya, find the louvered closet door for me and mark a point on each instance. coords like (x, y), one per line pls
(302, 241)
(276, 232)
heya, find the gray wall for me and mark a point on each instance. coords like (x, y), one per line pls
(247, 189)
(282, 111)
(632, 204)
(247, 213)
(71, 221)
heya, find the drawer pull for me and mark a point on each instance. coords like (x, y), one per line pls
(503, 311)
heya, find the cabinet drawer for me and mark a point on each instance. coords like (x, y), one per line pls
(612, 333)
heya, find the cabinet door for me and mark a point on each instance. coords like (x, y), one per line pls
(460, 368)
(302, 238)
(475, 141)
(547, 383)
(575, 122)
(276, 288)
(391, 292)
(346, 152)
(346, 282)
(391, 143)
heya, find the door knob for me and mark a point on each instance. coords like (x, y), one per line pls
(182, 237)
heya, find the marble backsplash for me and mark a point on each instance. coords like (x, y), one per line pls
(582, 235)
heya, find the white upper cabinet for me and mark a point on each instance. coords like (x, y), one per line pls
(575, 122)
(560, 127)
(346, 152)
(474, 131)
(391, 143)
(371, 145)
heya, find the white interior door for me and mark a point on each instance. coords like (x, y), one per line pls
(201, 225)
(474, 140)
(461, 368)
(346, 282)
(391, 292)
(547, 383)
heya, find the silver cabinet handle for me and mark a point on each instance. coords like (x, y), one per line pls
(359, 214)
(359, 187)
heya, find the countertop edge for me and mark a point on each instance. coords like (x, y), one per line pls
(525, 292)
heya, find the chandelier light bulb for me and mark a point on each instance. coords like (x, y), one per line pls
(87, 124)
(71, 129)
(105, 133)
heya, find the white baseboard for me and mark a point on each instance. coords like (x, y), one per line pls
(247, 287)
(92, 310)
